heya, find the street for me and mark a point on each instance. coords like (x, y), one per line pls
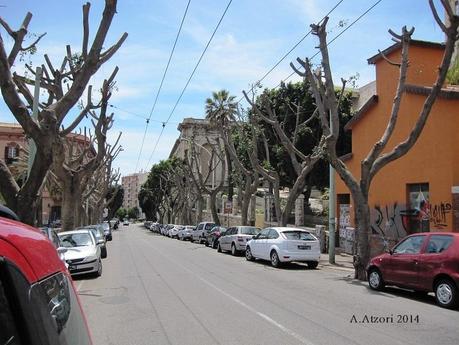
(156, 290)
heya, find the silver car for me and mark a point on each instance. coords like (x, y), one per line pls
(201, 231)
(83, 253)
(186, 233)
(236, 238)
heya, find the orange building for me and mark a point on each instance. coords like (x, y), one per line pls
(419, 191)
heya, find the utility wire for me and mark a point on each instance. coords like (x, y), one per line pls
(189, 79)
(333, 39)
(161, 84)
(291, 49)
(139, 115)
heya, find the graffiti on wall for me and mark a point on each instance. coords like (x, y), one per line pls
(396, 220)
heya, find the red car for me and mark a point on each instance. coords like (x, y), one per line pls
(423, 262)
(38, 302)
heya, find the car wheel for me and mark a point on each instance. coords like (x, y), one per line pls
(275, 259)
(103, 253)
(214, 244)
(248, 254)
(313, 264)
(375, 279)
(219, 249)
(446, 294)
(233, 250)
(99, 269)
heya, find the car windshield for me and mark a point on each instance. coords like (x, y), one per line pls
(299, 235)
(76, 240)
(106, 226)
(249, 230)
(96, 232)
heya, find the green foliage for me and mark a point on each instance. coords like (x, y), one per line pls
(284, 101)
(453, 73)
(133, 212)
(117, 201)
(121, 213)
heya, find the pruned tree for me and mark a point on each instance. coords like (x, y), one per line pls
(380, 155)
(303, 163)
(74, 163)
(202, 178)
(64, 86)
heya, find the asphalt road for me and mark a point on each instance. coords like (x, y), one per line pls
(155, 290)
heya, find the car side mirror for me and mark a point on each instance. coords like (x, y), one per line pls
(255, 237)
(61, 250)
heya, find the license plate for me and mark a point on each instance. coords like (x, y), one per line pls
(304, 247)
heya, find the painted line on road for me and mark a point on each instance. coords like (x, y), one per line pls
(245, 305)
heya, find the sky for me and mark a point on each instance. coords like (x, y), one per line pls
(253, 36)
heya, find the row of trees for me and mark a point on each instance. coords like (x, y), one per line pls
(81, 165)
(286, 136)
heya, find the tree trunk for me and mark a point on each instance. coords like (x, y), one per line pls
(71, 200)
(213, 207)
(362, 252)
(229, 164)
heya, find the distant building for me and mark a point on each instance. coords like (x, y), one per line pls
(200, 132)
(131, 185)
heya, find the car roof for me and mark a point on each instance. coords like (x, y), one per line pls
(455, 234)
(41, 259)
(286, 228)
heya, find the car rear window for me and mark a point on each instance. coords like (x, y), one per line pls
(249, 231)
(299, 235)
(209, 226)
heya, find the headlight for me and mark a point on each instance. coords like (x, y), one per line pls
(90, 258)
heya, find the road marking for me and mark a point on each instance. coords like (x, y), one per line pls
(248, 307)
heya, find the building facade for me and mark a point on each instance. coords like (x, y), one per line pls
(131, 185)
(419, 191)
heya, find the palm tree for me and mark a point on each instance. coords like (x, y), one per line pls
(220, 111)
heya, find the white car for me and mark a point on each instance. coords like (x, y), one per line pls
(284, 244)
(173, 233)
(83, 254)
(236, 238)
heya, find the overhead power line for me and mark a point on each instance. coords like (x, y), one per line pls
(334, 38)
(189, 79)
(291, 49)
(161, 84)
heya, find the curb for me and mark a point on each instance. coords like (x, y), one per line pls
(333, 267)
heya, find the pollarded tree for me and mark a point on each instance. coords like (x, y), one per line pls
(64, 87)
(379, 155)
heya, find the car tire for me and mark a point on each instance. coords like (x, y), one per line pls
(248, 254)
(233, 250)
(313, 264)
(375, 279)
(446, 294)
(219, 249)
(99, 269)
(275, 262)
(214, 244)
(103, 253)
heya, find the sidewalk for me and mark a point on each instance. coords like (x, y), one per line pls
(342, 262)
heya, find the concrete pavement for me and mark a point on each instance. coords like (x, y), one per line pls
(155, 290)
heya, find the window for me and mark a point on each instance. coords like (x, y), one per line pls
(246, 230)
(412, 245)
(299, 235)
(417, 215)
(11, 153)
(438, 243)
(209, 226)
(273, 234)
(264, 234)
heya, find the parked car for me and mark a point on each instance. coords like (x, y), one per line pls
(83, 255)
(186, 232)
(51, 234)
(36, 282)
(126, 222)
(283, 244)
(173, 232)
(424, 262)
(107, 231)
(200, 233)
(236, 238)
(166, 228)
(213, 236)
(98, 233)
(147, 224)
(155, 227)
